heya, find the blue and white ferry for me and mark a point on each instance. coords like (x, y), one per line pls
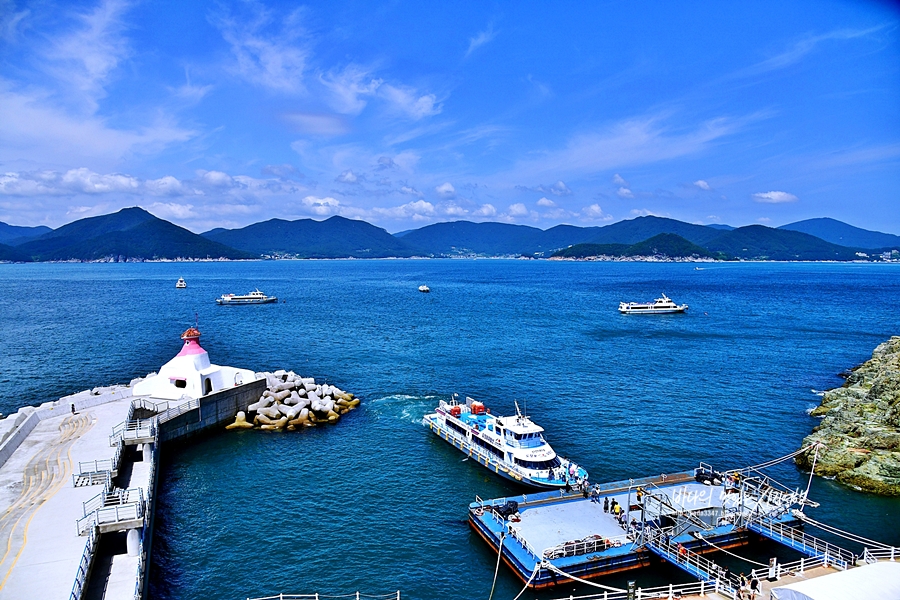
(512, 447)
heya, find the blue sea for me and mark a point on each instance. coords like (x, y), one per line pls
(377, 505)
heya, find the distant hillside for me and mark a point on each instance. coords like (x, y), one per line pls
(838, 232)
(664, 244)
(335, 237)
(131, 233)
(757, 242)
(8, 253)
(644, 228)
(13, 235)
(464, 237)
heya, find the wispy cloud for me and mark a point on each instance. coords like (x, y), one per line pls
(409, 101)
(480, 39)
(774, 197)
(269, 50)
(703, 185)
(350, 88)
(802, 47)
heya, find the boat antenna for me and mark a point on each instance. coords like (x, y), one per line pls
(518, 412)
(196, 320)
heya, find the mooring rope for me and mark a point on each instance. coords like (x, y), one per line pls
(752, 562)
(497, 567)
(775, 461)
(553, 568)
(840, 533)
(534, 573)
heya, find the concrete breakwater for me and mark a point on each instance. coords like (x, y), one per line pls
(291, 402)
(860, 429)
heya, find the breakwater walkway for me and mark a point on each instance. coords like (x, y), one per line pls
(78, 487)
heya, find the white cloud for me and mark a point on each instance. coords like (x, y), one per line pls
(764, 220)
(347, 177)
(485, 210)
(774, 197)
(630, 142)
(517, 210)
(560, 189)
(321, 206)
(170, 211)
(349, 88)
(269, 50)
(702, 185)
(408, 101)
(454, 210)
(83, 59)
(216, 178)
(625, 193)
(619, 180)
(411, 191)
(594, 213)
(446, 190)
(643, 212)
(480, 39)
(546, 202)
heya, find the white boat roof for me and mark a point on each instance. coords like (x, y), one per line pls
(518, 424)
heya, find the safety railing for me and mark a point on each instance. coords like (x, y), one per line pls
(513, 533)
(357, 596)
(136, 429)
(171, 413)
(585, 546)
(802, 541)
(84, 566)
(889, 553)
(102, 477)
(697, 565)
(118, 513)
(676, 590)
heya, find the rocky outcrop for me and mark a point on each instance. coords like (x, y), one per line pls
(860, 429)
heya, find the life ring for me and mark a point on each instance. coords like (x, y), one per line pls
(617, 544)
(478, 512)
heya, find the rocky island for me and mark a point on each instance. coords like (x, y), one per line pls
(860, 429)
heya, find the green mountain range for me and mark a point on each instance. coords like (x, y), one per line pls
(335, 237)
(135, 234)
(130, 234)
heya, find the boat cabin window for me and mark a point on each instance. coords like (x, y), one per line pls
(180, 383)
(527, 440)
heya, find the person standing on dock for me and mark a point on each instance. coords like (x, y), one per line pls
(606, 504)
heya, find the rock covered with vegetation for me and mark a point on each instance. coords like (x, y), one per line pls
(860, 428)
(292, 402)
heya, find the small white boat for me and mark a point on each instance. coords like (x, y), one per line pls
(511, 447)
(180, 284)
(424, 289)
(254, 297)
(662, 305)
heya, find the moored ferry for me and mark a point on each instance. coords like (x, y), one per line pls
(254, 297)
(662, 305)
(512, 447)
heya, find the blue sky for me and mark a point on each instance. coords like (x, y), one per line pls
(222, 114)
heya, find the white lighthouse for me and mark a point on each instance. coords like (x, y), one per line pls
(191, 374)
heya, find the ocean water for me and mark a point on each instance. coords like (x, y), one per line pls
(375, 503)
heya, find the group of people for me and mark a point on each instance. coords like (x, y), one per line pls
(748, 588)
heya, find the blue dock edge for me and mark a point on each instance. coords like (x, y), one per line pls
(523, 559)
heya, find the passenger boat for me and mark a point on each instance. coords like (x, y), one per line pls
(254, 297)
(180, 284)
(424, 289)
(659, 306)
(512, 447)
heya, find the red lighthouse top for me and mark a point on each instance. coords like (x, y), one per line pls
(191, 339)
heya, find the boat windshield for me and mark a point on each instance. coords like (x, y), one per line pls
(539, 465)
(525, 440)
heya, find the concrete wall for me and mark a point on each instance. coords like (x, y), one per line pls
(216, 410)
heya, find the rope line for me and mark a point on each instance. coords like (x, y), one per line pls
(497, 567)
(555, 569)
(774, 461)
(840, 533)
(752, 562)
(534, 573)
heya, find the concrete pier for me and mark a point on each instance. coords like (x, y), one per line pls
(78, 488)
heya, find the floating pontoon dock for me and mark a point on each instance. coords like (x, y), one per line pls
(548, 538)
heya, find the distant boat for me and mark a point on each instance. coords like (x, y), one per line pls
(254, 297)
(180, 284)
(662, 305)
(424, 289)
